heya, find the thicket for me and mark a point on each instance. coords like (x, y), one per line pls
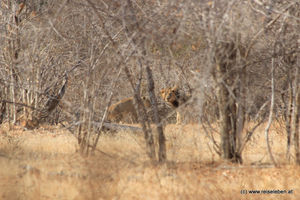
(67, 61)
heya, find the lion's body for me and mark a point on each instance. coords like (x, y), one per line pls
(124, 110)
(174, 97)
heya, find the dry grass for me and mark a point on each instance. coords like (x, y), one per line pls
(43, 164)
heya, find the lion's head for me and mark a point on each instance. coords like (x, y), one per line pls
(171, 96)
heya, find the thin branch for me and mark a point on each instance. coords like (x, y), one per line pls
(252, 41)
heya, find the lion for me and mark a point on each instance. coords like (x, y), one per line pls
(174, 97)
(29, 124)
(124, 110)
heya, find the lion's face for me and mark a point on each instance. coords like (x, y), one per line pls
(171, 96)
(175, 97)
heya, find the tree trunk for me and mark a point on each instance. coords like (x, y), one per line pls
(296, 126)
(142, 115)
(162, 155)
(2, 107)
(225, 122)
(296, 116)
(287, 107)
(227, 101)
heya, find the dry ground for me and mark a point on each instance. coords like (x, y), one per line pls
(44, 164)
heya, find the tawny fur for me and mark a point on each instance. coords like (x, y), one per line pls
(174, 97)
(29, 124)
(125, 109)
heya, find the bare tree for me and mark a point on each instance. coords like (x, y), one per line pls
(161, 137)
(296, 115)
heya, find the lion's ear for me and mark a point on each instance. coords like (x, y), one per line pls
(175, 88)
